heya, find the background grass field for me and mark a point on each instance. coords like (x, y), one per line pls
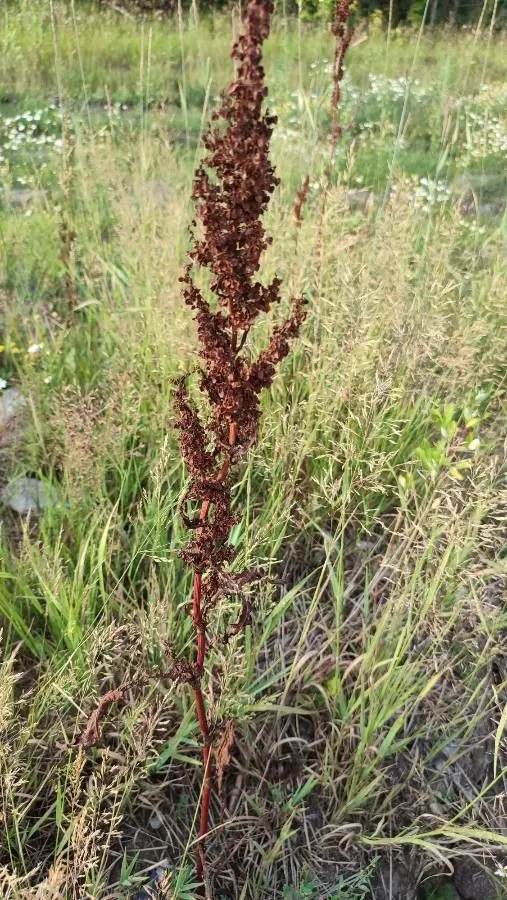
(369, 696)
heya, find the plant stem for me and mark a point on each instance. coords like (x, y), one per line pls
(200, 627)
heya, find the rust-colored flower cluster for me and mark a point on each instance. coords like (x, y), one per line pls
(343, 32)
(231, 191)
(232, 188)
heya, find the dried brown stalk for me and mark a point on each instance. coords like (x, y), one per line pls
(301, 198)
(67, 231)
(343, 32)
(232, 188)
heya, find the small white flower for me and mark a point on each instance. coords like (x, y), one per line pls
(3, 384)
(35, 348)
(501, 871)
(48, 379)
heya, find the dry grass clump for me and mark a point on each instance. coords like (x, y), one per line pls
(84, 804)
(77, 424)
(388, 707)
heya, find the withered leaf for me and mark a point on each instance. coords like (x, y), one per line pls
(223, 755)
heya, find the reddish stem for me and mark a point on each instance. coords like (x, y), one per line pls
(200, 627)
(207, 780)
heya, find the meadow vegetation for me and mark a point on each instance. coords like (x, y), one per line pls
(367, 756)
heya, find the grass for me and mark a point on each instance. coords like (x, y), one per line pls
(369, 705)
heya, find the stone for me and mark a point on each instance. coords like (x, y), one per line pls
(360, 198)
(155, 886)
(397, 880)
(155, 822)
(29, 495)
(24, 197)
(473, 881)
(475, 181)
(470, 209)
(12, 403)
(158, 191)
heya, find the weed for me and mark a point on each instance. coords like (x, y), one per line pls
(231, 189)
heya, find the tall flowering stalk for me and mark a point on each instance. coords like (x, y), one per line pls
(231, 191)
(343, 34)
(232, 188)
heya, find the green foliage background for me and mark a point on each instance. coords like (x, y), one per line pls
(386, 12)
(397, 12)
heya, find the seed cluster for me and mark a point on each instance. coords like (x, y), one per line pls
(343, 33)
(231, 191)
